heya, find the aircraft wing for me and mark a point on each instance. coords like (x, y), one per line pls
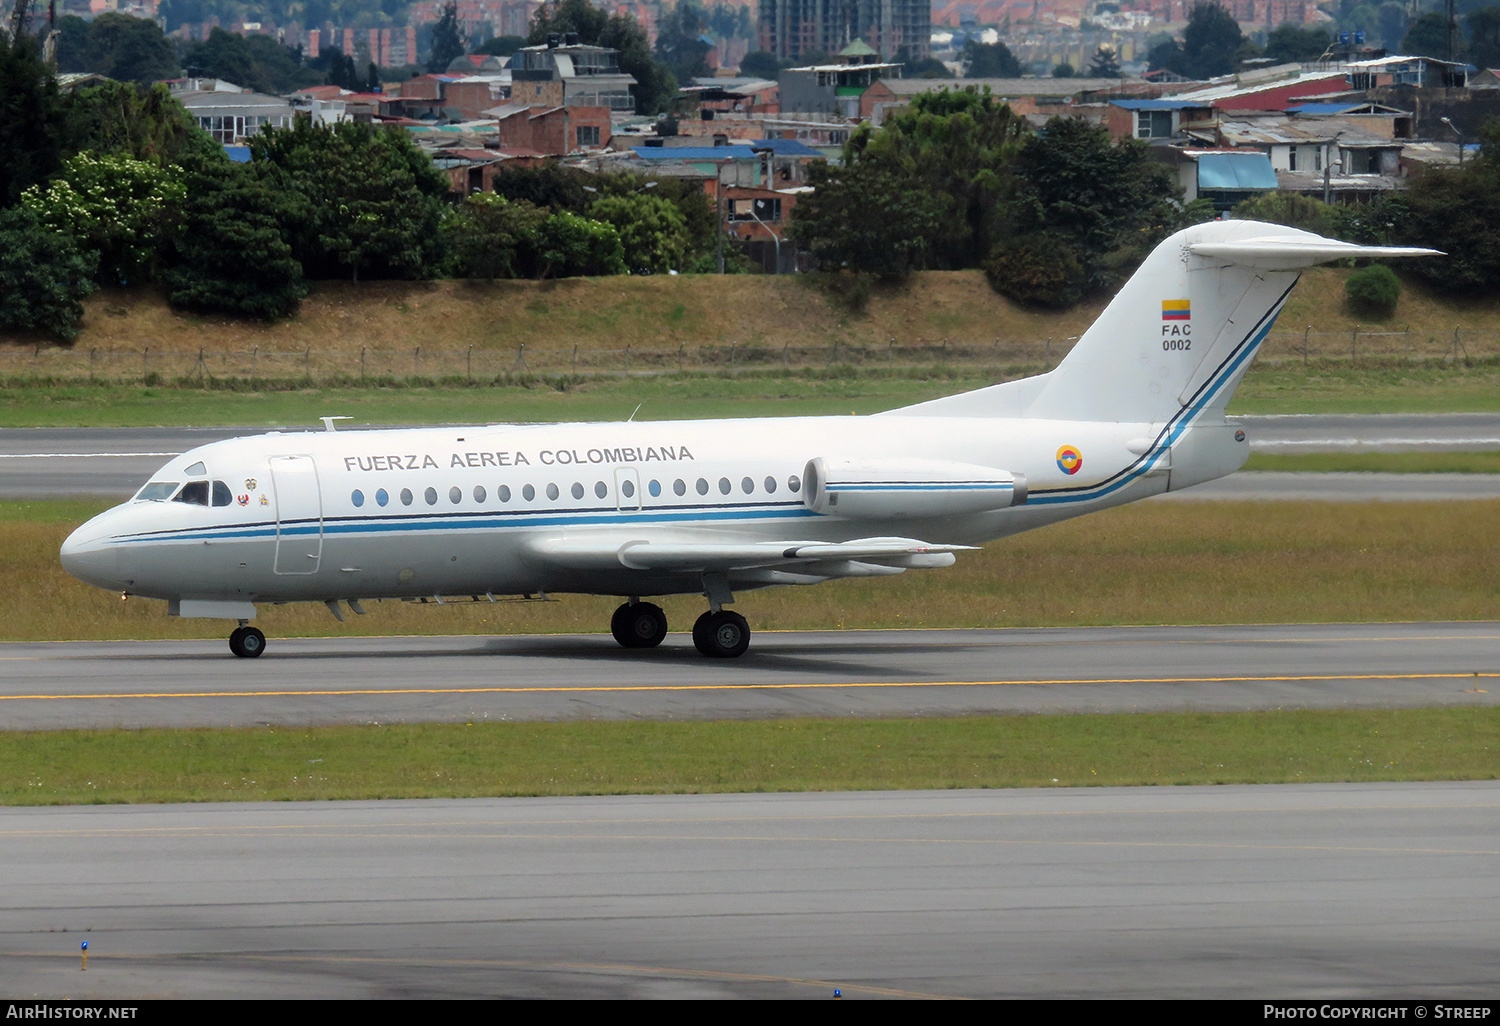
(615, 552)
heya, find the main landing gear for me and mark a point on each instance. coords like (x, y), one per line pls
(719, 634)
(639, 625)
(247, 642)
(722, 634)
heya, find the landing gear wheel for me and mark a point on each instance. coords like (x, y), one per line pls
(721, 635)
(247, 642)
(639, 625)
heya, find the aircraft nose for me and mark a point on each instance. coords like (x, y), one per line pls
(88, 556)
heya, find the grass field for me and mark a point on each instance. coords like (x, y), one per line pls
(483, 759)
(1148, 563)
(1371, 386)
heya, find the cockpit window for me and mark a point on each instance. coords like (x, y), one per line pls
(222, 495)
(158, 490)
(194, 492)
(196, 470)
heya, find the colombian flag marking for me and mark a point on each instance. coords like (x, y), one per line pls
(1176, 310)
(1069, 459)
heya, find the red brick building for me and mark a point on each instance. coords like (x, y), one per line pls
(555, 131)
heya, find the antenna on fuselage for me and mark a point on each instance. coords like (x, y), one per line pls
(328, 422)
(634, 412)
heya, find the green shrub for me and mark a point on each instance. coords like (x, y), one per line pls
(1036, 270)
(44, 275)
(1288, 208)
(1373, 291)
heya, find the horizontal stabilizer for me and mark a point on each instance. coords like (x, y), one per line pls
(613, 553)
(1290, 252)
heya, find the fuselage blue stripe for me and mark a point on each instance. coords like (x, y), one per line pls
(386, 524)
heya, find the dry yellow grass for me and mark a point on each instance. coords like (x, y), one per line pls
(1147, 563)
(1318, 300)
(656, 311)
(471, 327)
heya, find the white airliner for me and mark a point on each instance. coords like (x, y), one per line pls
(717, 506)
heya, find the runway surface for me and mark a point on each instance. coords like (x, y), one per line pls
(38, 463)
(812, 673)
(1316, 892)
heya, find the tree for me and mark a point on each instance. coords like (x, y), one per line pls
(370, 201)
(926, 67)
(869, 216)
(496, 238)
(989, 60)
(569, 245)
(1106, 203)
(653, 233)
(1064, 70)
(502, 46)
(1456, 210)
(700, 226)
(72, 44)
(1484, 37)
(233, 253)
(129, 49)
(679, 42)
(44, 275)
(760, 64)
(1428, 37)
(340, 68)
(731, 21)
(123, 208)
(245, 61)
(549, 186)
(1211, 45)
(30, 118)
(447, 44)
(1288, 208)
(957, 148)
(1106, 63)
(1288, 43)
(146, 123)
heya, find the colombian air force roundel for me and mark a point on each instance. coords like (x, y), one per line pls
(1069, 459)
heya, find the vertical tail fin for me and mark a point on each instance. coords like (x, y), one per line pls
(1179, 335)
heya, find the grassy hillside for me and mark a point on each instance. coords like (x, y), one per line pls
(593, 313)
(663, 312)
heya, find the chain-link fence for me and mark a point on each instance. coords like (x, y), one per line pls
(438, 363)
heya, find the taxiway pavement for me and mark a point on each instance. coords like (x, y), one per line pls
(803, 673)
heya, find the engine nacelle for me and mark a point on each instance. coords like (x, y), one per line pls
(896, 489)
